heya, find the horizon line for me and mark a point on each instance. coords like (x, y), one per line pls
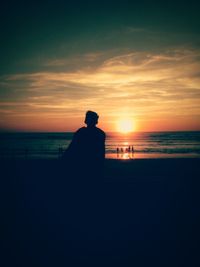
(116, 132)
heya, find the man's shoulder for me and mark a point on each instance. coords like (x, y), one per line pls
(85, 130)
(101, 132)
(80, 131)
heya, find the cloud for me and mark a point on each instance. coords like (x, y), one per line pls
(85, 58)
(142, 83)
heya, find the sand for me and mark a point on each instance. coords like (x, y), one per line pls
(142, 213)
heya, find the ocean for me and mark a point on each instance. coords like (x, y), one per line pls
(118, 146)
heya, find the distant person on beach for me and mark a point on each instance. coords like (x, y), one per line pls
(86, 152)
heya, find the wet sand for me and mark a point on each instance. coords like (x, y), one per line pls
(141, 213)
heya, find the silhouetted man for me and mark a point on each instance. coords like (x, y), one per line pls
(86, 152)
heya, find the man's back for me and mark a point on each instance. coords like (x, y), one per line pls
(86, 153)
(90, 143)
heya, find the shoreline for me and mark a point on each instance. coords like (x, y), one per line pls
(116, 156)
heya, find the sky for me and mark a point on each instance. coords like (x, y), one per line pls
(135, 60)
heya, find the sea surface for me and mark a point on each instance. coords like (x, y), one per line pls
(118, 146)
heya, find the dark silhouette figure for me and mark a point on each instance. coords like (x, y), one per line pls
(86, 152)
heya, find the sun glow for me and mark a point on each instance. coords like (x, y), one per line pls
(125, 125)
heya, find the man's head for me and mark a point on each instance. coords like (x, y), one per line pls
(91, 118)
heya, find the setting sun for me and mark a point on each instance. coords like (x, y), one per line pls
(125, 126)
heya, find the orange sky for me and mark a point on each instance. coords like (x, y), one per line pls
(158, 92)
(136, 60)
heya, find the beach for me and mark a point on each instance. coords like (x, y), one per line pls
(142, 212)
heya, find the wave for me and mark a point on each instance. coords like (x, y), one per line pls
(53, 144)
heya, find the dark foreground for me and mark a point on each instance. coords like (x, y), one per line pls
(142, 213)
